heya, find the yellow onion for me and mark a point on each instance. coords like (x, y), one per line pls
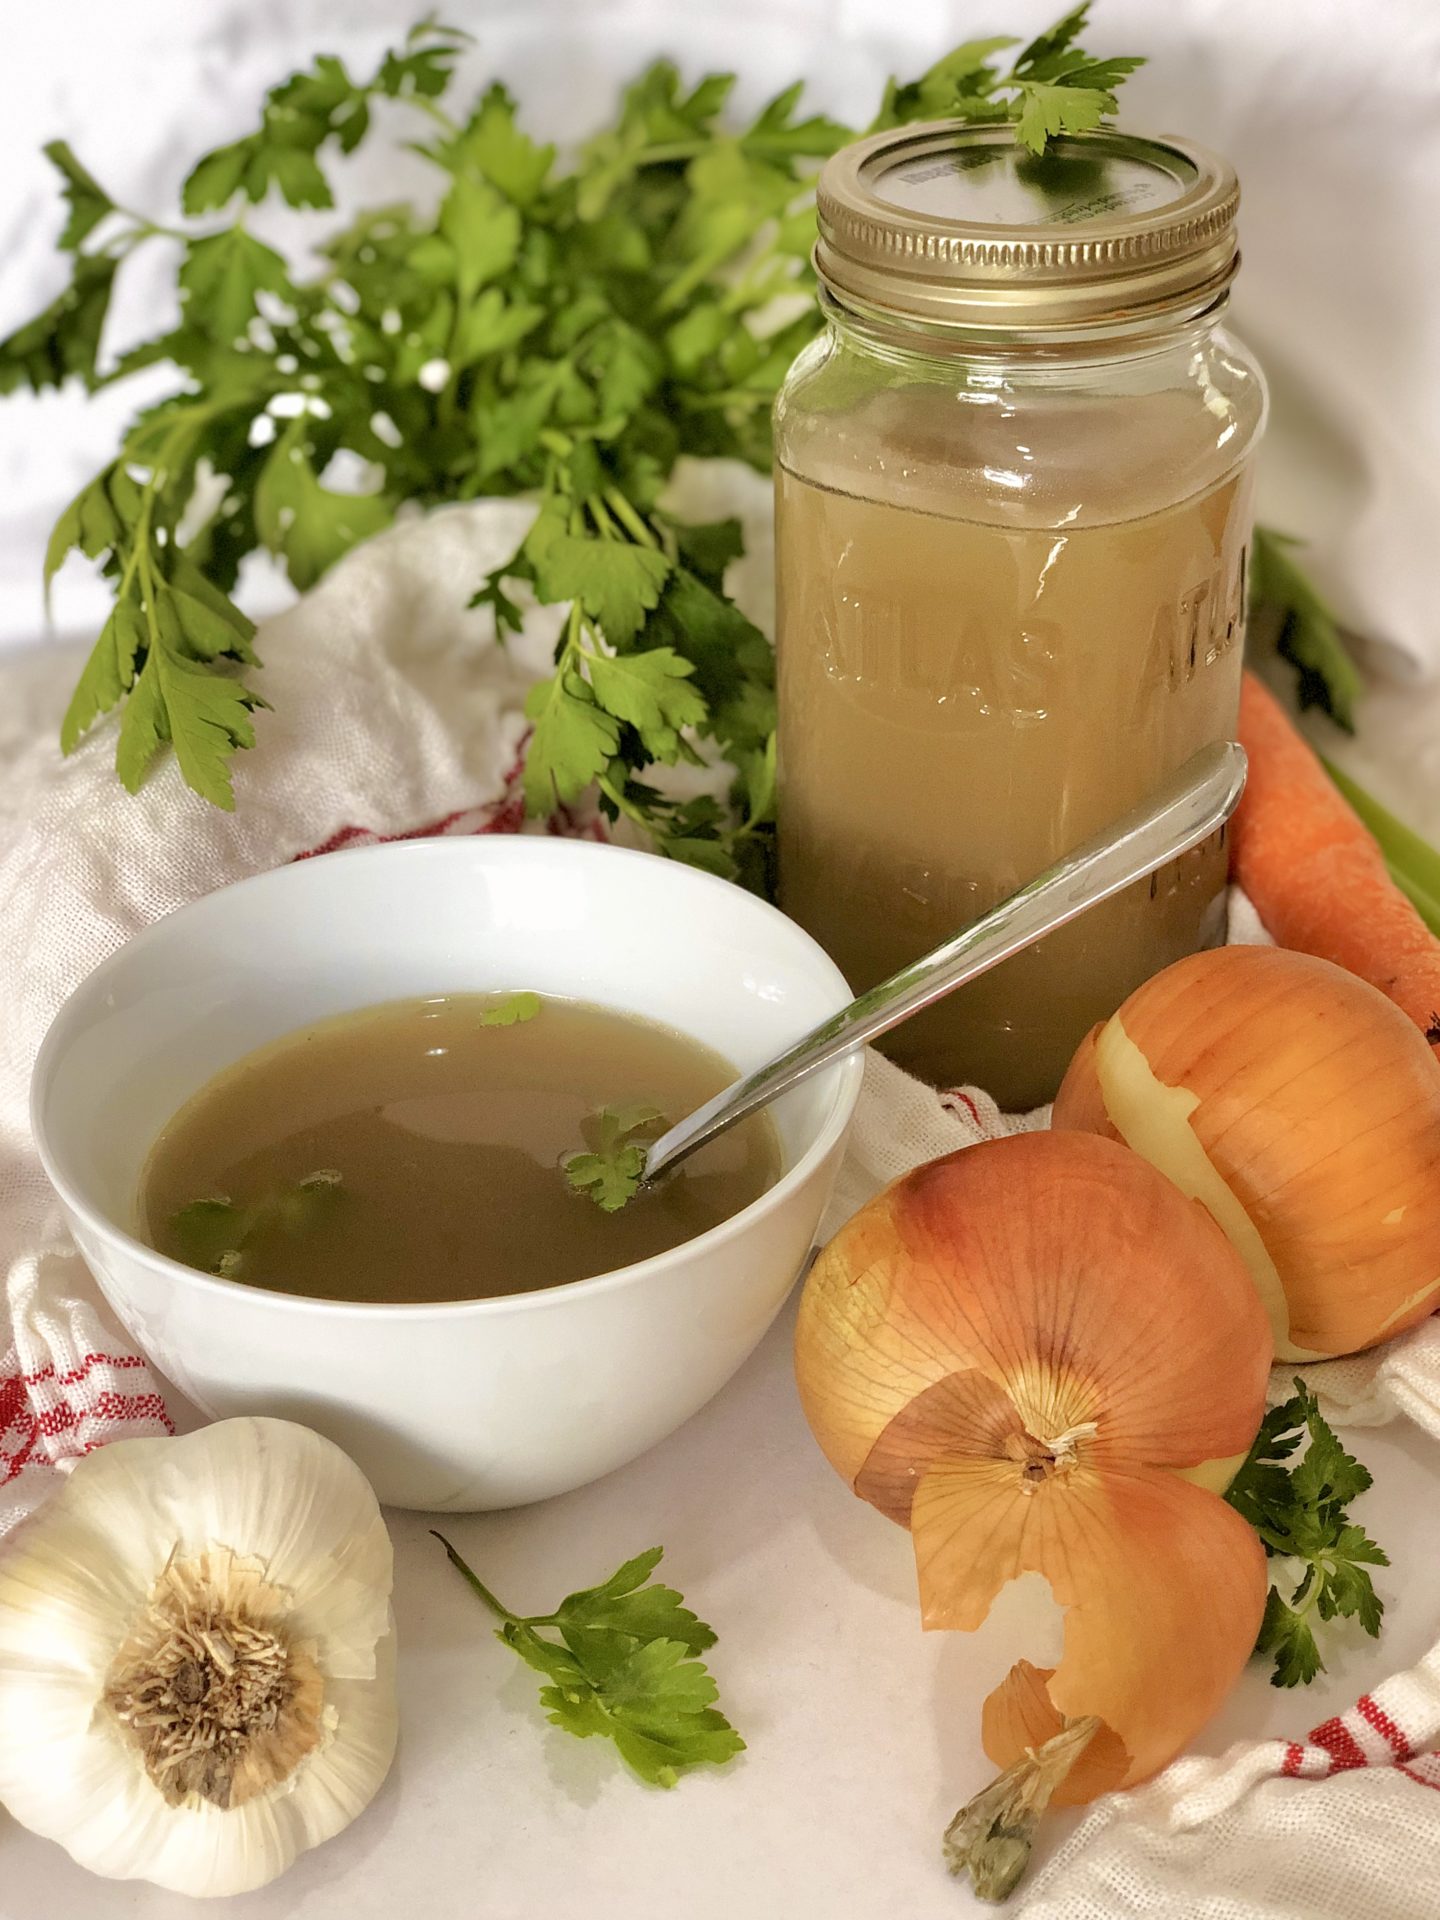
(1303, 1108)
(1041, 1357)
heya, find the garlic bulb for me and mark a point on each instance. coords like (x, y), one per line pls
(197, 1656)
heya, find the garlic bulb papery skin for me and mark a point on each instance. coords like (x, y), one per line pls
(197, 1656)
(1040, 1357)
(1302, 1108)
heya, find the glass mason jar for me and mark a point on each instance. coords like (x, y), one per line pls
(1013, 503)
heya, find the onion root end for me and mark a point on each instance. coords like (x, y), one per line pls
(991, 1836)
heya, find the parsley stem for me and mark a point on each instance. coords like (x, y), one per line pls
(604, 520)
(666, 150)
(629, 518)
(140, 539)
(147, 590)
(574, 634)
(1319, 1567)
(730, 397)
(438, 114)
(623, 804)
(468, 1573)
(156, 230)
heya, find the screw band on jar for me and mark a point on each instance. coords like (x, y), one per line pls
(959, 226)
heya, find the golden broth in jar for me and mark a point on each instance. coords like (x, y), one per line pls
(1011, 587)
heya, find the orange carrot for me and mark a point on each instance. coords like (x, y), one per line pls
(1317, 878)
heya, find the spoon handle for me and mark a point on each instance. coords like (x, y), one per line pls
(1177, 816)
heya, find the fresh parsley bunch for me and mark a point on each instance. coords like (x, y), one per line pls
(559, 329)
(1300, 1509)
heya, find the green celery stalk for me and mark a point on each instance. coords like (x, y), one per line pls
(1424, 904)
(1414, 864)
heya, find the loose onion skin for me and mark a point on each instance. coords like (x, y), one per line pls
(1317, 1103)
(1022, 1352)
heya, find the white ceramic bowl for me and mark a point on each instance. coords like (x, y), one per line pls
(484, 1403)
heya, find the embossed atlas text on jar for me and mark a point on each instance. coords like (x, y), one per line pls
(1013, 505)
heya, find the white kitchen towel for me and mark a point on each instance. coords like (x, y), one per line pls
(395, 713)
(1344, 1825)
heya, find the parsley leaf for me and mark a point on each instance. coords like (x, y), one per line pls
(63, 342)
(616, 583)
(89, 203)
(611, 1172)
(623, 1667)
(1048, 109)
(252, 166)
(1308, 634)
(94, 521)
(204, 716)
(308, 111)
(422, 70)
(571, 743)
(512, 1011)
(1052, 88)
(221, 275)
(107, 674)
(213, 1235)
(1059, 89)
(307, 524)
(1048, 47)
(508, 158)
(1300, 1511)
(652, 692)
(483, 231)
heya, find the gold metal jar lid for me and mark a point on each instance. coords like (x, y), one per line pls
(962, 226)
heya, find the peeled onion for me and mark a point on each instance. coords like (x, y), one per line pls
(1303, 1108)
(1040, 1356)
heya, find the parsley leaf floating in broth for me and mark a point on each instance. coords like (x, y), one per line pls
(512, 1011)
(213, 1234)
(613, 1169)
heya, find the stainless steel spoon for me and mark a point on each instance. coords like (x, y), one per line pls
(1178, 816)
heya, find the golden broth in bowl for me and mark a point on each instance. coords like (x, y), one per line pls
(415, 1151)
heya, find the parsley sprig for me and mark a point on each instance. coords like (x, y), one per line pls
(621, 1662)
(564, 330)
(611, 1170)
(1052, 87)
(1300, 1511)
